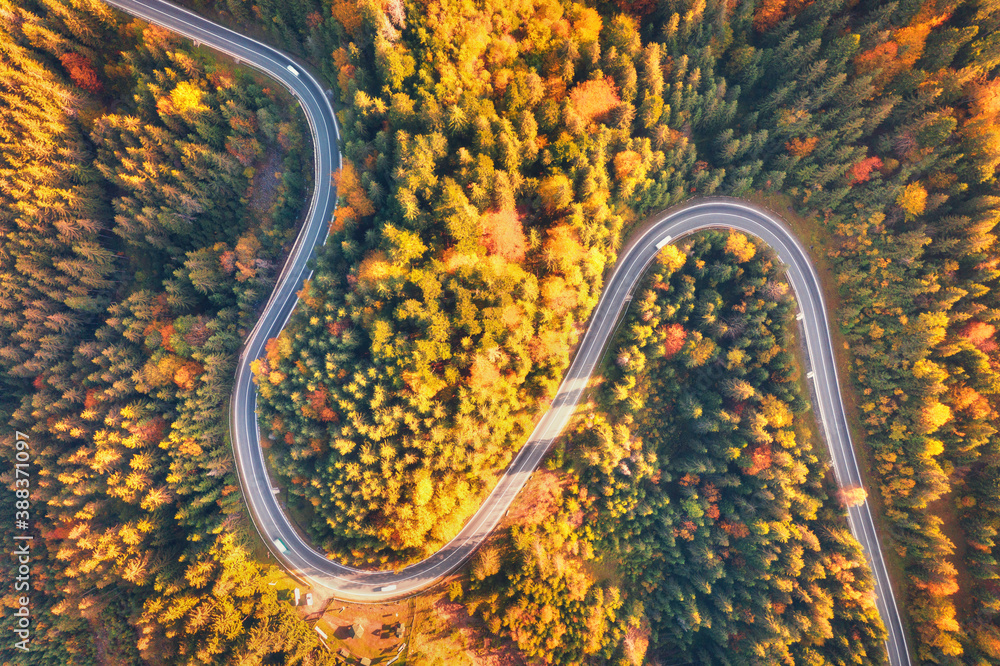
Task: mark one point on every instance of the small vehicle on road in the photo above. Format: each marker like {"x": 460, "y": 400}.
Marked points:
{"x": 294, "y": 71}
{"x": 385, "y": 588}
{"x": 282, "y": 548}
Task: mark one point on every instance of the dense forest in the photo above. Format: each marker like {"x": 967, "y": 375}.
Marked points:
{"x": 496, "y": 154}
{"x": 497, "y": 176}
{"x": 146, "y": 191}
{"x": 692, "y": 476}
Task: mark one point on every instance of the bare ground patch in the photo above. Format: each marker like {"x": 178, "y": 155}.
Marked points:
{"x": 481, "y": 647}
{"x": 264, "y": 187}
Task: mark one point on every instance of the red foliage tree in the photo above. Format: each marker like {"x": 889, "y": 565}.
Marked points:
{"x": 243, "y": 148}
{"x": 736, "y": 530}
{"x": 81, "y": 71}
{"x": 761, "y": 457}
{"x": 861, "y": 171}
{"x": 151, "y": 430}
{"x": 318, "y": 400}
{"x": 674, "y": 342}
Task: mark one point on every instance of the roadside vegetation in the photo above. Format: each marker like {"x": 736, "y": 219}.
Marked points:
{"x": 496, "y": 155}
{"x": 690, "y": 513}
{"x": 519, "y": 159}
{"x": 565, "y": 123}
{"x": 137, "y": 237}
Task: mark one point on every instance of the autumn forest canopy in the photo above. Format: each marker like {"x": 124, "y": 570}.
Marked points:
{"x": 496, "y": 156}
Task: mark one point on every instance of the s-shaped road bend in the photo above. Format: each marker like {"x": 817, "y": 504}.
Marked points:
{"x": 314, "y": 567}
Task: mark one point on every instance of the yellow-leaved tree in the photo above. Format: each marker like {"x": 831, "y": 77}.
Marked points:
{"x": 913, "y": 200}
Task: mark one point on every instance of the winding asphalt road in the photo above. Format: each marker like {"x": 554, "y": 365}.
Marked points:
{"x": 314, "y": 567}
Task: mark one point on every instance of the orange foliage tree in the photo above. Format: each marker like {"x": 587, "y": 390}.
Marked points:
{"x": 626, "y": 163}
{"x": 769, "y": 13}
{"x": 876, "y": 59}
{"x": 594, "y": 99}
{"x": 348, "y": 184}
{"x": 984, "y": 99}
{"x": 347, "y": 14}
{"x": 345, "y": 70}
{"x": 735, "y": 530}
{"x": 902, "y": 52}
{"x": 243, "y": 148}
{"x": 557, "y": 295}
{"x": 503, "y": 234}
{"x": 186, "y": 374}
{"x": 314, "y": 19}
{"x": 483, "y": 374}
{"x": 246, "y": 251}
{"x": 801, "y": 147}
{"x": 562, "y": 246}
{"x": 548, "y": 344}
{"x": 980, "y": 334}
